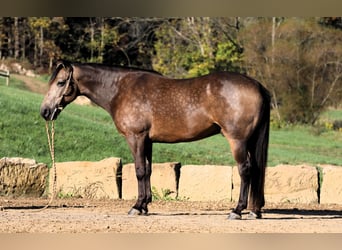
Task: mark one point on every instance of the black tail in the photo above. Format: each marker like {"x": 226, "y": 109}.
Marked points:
{"x": 258, "y": 149}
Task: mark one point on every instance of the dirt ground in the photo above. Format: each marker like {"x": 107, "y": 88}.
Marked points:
{"x": 81, "y": 216}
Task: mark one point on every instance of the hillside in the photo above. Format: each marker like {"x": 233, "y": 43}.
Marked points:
{"x": 32, "y": 84}
{"x": 88, "y": 133}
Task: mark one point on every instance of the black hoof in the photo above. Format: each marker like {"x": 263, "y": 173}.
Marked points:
{"x": 234, "y": 216}
{"x": 254, "y": 215}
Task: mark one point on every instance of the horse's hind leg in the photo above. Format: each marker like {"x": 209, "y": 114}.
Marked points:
{"x": 257, "y": 190}
{"x": 148, "y": 172}
{"x": 239, "y": 151}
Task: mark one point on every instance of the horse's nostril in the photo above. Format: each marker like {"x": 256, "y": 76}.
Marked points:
{"x": 45, "y": 113}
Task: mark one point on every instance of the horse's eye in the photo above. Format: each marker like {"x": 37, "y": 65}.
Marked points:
{"x": 61, "y": 83}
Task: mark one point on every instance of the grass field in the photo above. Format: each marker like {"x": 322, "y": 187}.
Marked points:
{"x": 88, "y": 133}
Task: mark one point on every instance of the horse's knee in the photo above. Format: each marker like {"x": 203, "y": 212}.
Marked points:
{"x": 140, "y": 172}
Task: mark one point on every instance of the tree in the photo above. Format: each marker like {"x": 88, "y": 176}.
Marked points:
{"x": 16, "y": 38}
{"x": 97, "y": 32}
{"x": 188, "y": 47}
{"x": 38, "y": 26}
{"x": 2, "y": 36}
{"x": 6, "y": 37}
{"x": 299, "y": 60}
{"x": 134, "y": 41}
{"x": 335, "y": 22}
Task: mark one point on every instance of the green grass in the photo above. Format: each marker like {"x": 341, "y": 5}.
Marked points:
{"x": 13, "y": 83}
{"x": 332, "y": 114}
{"x": 88, "y": 133}
{"x": 300, "y": 145}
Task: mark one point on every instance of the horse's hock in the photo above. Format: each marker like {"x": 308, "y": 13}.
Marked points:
{"x": 21, "y": 176}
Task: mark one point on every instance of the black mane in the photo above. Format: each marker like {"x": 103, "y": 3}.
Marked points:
{"x": 128, "y": 68}
{"x": 68, "y": 65}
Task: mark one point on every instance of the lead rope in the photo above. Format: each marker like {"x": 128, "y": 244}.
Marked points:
{"x": 51, "y": 139}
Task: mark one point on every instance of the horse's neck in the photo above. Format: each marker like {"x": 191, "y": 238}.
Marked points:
{"x": 98, "y": 88}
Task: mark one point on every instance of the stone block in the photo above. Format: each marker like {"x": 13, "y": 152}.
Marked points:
{"x": 205, "y": 183}
{"x": 331, "y": 190}
{"x": 94, "y": 180}
{"x": 22, "y": 176}
{"x": 165, "y": 176}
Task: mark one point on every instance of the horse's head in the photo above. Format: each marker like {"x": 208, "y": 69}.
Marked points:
{"x": 62, "y": 91}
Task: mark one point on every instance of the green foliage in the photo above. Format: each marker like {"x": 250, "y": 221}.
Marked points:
{"x": 166, "y": 195}
{"x": 227, "y": 56}
{"x": 199, "y": 65}
{"x": 295, "y": 106}
{"x": 337, "y": 125}
{"x": 62, "y": 195}
{"x": 276, "y": 124}
{"x": 39, "y": 22}
{"x": 299, "y": 61}
{"x": 188, "y": 48}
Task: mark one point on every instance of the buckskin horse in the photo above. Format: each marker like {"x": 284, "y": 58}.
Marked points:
{"x": 148, "y": 107}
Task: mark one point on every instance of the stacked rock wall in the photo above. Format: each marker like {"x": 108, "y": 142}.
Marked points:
{"x": 110, "y": 180}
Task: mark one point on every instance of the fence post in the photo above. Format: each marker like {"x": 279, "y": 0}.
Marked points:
{"x": 5, "y": 73}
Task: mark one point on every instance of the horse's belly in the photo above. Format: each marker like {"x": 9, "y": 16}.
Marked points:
{"x": 173, "y": 133}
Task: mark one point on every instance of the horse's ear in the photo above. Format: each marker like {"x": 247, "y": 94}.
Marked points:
{"x": 63, "y": 64}
{"x": 59, "y": 65}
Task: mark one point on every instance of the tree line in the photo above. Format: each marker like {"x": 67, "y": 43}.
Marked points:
{"x": 298, "y": 59}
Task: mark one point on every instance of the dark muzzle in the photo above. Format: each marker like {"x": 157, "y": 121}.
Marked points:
{"x": 50, "y": 114}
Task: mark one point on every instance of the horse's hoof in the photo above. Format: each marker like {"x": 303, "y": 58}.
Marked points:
{"x": 234, "y": 216}
{"x": 134, "y": 212}
{"x": 254, "y": 215}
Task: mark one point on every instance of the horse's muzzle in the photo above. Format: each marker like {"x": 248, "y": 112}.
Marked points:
{"x": 50, "y": 114}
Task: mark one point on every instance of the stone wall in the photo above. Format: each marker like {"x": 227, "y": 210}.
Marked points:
{"x": 285, "y": 183}
{"x": 109, "y": 179}
{"x": 20, "y": 176}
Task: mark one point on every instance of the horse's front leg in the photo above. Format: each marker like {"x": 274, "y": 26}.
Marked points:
{"x": 138, "y": 147}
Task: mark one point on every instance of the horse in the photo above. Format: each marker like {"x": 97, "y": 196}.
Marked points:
{"x": 147, "y": 107}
